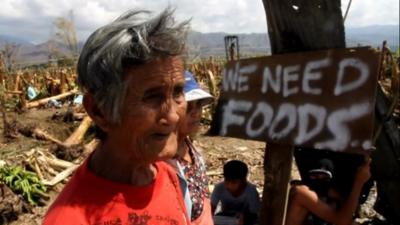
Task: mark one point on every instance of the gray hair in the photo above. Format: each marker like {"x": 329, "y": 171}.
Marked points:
{"x": 131, "y": 40}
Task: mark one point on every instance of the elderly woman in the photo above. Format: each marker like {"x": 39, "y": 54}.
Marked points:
{"x": 131, "y": 73}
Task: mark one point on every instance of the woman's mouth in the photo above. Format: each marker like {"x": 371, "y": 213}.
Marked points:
{"x": 196, "y": 123}
{"x": 161, "y": 136}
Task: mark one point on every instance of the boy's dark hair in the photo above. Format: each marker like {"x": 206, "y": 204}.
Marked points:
{"x": 235, "y": 169}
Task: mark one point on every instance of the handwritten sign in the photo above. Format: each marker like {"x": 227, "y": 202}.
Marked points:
{"x": 322, "y": 99}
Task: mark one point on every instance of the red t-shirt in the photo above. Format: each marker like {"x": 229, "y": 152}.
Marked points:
{"x": 89, "y": 199}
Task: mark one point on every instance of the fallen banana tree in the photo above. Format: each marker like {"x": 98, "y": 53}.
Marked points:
{"x": 69, "y": 149}
{"x": 32, "y": 131}
{"x": 52, "y": 170}
{"x": 49, "y": 169}
{"x": 43, "y": 101}
{"x": 77, "y": 136}
{"x": 72, "y": 147}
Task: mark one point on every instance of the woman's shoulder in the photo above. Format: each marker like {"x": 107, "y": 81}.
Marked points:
{"x": 168, "y": 167}
{"x": 166, "y": 170}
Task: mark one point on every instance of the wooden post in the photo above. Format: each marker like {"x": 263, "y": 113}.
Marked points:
{"x": 2, "y": 75}
{"x": 276, "y": 186}
{"x": 63, "y": 81}
{"x": 309, "y": 25}
{"x": 17, "y": 81}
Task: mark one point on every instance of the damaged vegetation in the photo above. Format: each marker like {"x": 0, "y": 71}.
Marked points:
{"x": 46, "y": 134}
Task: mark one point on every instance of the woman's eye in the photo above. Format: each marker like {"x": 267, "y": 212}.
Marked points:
{"x": 194, "y": 105}
{"x": 178, "y": 92}
{"x": 153, "y": 97}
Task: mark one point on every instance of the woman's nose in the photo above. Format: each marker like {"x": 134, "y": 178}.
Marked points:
{"x": 170, "y": 113}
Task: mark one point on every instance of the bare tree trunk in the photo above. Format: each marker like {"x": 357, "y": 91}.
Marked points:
{"x": 17, "y": 81}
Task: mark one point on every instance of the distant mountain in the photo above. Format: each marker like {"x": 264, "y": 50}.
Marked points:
{"x": 212, "y": 44}
{"x": 14, "y": 40}
{"x": 373, "y": 35}
{"x": 27, "y": 53}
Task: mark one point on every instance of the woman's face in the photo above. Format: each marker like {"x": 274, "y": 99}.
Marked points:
{"x": 190, "y": 124}
{"x": 153, "y": 107}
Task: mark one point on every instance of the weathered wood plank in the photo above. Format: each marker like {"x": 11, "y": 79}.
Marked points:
{"x": 295, "y": 26}
{"x": 320, "y": 99}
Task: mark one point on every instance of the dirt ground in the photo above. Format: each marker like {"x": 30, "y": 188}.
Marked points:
{"x": 216, "y": 151}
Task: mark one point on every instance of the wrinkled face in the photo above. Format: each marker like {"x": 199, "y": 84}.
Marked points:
{"x": 190, "y": 124}
{"x": 154, "y": 104}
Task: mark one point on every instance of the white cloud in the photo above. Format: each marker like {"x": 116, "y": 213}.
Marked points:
{"x": 32, "y": 19}
{"x": 13, "y": 9}
{"x": 370, "y": 12}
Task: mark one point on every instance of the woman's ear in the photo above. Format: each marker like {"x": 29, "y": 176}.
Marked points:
{"x": 95, "y": 113}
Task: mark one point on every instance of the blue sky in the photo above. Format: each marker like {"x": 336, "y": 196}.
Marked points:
{"x": 33, "y": 19}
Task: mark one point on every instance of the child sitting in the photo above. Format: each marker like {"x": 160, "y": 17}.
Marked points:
{"x": 238, "y": 197}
